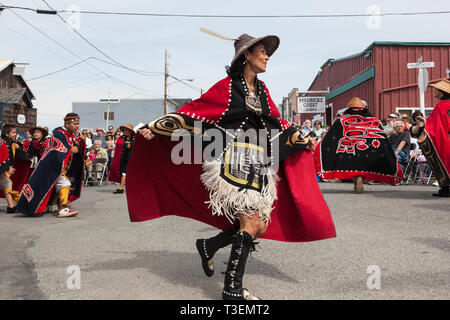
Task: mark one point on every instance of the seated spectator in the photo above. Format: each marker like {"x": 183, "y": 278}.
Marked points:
{"x": 97, "y": 153}
{"x": 401, "y": 142}
{"x": 91, "y": 154}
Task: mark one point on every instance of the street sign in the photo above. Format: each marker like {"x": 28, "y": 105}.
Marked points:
{"x": 311, "y": 104}
{"x": 415, "y": 65}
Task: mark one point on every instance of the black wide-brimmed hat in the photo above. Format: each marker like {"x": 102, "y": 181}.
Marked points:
{"x": 42, "y": 129}
{"x": 245, "y": 41}
{"x": 443, "y": 85}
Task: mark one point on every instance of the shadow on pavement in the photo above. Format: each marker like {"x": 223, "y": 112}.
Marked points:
{"x": 185, "y": 268}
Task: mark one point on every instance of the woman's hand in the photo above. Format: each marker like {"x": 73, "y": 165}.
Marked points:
{"x": 146, "y": 133}
{"x": 11, "y": 171}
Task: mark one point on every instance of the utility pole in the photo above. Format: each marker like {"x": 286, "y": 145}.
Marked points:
{"x": 108, "y": 107}
{"x": 165, "y": 82}
{"x": 107, "y": 110}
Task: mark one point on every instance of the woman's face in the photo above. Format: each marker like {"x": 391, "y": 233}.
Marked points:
{"x": 258, "y": 58}
{"x": 37, "y": 134}
{"x": 437, "y": 93}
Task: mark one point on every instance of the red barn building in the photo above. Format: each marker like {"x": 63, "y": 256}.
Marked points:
{"x": 379, "y": 75}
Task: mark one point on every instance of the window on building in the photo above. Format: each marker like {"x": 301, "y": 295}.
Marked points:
{"x": 111, "y": 116}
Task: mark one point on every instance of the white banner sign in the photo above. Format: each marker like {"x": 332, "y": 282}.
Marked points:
{"x": 415, "y": 65}
{"x": 311, "y": 104}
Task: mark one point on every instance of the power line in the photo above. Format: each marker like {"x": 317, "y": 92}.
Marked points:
{"x": 101, "y": 35}
{"x": 55, "y": 12}
{"x": 34, "y": 41}
{"x": 149, "y": 73}
{"x": 89, "y": 42}
{"x": 75, "y": 54}
{"x": 76, "y": 83}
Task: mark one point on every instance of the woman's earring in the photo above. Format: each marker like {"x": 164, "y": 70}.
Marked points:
{"x": 245, "y": 61}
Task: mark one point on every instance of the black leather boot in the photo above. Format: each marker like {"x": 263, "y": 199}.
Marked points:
{"x": 242, "y": 245}
{"x": 11, "y": 210}
{"x": 443, "y": 192}
{"x": 208, "y": 247}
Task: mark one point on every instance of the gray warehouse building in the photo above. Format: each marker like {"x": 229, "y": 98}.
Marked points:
{"x": 94, "y": 113}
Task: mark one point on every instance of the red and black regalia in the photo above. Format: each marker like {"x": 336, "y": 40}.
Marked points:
{"x": 291, "y": 199}
{"x": 10, "y": 156}
{"x": 57, "y": 161}
{"x": 236, "y": 158}
{"x": 114, "y": 175}
{"x": 355, "y": 145}
{"x": 35, "y": 148}
{"x": 127, "y": 150}
{"x": 434, "y": 140}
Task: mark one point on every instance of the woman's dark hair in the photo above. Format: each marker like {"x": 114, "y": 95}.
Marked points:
{"x": 238, "y": 66}
{"x": 7, "y": 128}
{"x": 445, "y": 95}
{"x": 312, "y": 134}
{"x": 416, "y": 114}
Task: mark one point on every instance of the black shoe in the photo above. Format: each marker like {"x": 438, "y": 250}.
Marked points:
{"x": 118, "y": 191}
{"x": 11, "y": 210}
{"x": 233, "y": 290}
{"x": 443, "y": 192}
{"x": 208, "y": 247}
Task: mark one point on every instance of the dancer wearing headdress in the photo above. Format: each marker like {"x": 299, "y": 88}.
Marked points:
{"x": 59, "y": 174}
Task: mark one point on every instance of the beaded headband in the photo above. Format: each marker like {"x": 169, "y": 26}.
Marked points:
{"x": 71, "y": 119}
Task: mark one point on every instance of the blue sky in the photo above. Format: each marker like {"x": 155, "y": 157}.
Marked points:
{"x": 139, "y": 43}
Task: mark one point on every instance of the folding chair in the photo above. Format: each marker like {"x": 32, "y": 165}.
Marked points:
{"x": 92, "y": 173}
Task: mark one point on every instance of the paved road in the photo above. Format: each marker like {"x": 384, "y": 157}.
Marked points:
{"x": 402, "y": 230}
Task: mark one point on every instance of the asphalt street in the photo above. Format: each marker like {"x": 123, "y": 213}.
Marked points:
{"x": 392, "y": 243}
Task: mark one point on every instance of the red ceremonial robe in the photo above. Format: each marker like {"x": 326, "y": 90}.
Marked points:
{"x": 21, "y": 164}
{"x": 156, "y": 187}
{"x": 437, "y": 127}
{"x": 115, "y": 165}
